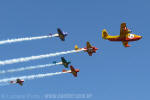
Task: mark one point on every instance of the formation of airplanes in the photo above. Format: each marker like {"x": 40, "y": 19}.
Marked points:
{"x": 72, "y": 70}
{"x": 125, "y": 37}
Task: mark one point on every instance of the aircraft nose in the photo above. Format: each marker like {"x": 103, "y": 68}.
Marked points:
{"x": 140, "y": 37}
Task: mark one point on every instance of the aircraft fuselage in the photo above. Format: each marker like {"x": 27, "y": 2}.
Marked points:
{"x": 130, "y": 37}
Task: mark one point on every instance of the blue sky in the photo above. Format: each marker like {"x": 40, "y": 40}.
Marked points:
{"x": 113, "y": 73}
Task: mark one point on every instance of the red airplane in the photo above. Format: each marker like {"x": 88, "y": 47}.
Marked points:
{"x": 18, "y": 81}
{"x": 72, "y": 70}
{"x": 89, "y": 49}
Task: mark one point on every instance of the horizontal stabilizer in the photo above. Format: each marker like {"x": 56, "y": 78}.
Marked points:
{"x": 64, "y": 70}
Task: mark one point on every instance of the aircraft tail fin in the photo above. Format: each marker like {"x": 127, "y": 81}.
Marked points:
{"x": 76, "y": 47}
{"x": 64, "y": 70}
{"x": 12, "y": 82}
{"x": 104, "y": 34}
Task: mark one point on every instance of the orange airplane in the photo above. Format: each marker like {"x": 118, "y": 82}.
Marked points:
{"x": 72, "y": 70}
{"x": 124, "y": 36}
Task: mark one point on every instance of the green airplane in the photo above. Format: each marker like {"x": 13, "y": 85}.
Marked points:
{"x": 64, "y": 62}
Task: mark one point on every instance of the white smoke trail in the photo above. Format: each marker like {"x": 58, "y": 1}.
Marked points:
{"x": 26, "y": 39}
{"x": 25, "y": 59}
{"x": 4, "y": 84}
{"x": 28, "y": 68}
{"x": 32, "y": 76}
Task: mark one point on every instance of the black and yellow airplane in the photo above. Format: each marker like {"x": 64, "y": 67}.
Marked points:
{"x": 61, "y": 34}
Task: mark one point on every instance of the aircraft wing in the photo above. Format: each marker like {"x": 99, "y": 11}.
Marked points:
{"x": 125, "y": 44}
{"x": 123, "y": 30}
{"x": 63, "y": 60}
{"x": 74, "y": 74}
{"x": 88, "y": 45}
{"x": 59, "y": 31}
{"x": 90, "y": 54}
{"x": 21, "y": 83}
{"x": 61, "y": 35}
{"x": 18, "y": 80}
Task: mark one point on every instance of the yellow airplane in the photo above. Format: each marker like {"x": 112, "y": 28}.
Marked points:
{"x": 124, "y": 36}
